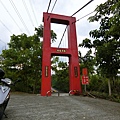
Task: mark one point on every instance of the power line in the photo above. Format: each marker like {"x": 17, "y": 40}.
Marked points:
{"x": 17, "y": 12}
{"x": 10, "y": 15}
{"x": 6, "y": 27}
{"x": 25, "y": 6}
{"x": 49, "y": 6}
{"x": 72, "y": 16}
{"x": 33, "y": 12}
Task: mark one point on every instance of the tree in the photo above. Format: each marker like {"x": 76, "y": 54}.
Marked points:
{"x": 39, "y": 32}
{"x": 106, "y": 39}
{"x": 60, "y": 78}
{"x": 87, "y": 61}
{"x": 24, "y": 59}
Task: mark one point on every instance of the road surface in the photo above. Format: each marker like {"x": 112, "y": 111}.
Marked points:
{"x": 35, "y": 107}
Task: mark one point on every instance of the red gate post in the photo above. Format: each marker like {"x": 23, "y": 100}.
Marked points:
{"x": 71, "y": 52}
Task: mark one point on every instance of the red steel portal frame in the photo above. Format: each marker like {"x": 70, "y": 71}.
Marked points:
{"x": 71, "y": 52}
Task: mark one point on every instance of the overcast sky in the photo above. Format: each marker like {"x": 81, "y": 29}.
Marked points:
{"x": 22, "y": 16}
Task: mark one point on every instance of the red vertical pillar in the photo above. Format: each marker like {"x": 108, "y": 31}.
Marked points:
{"x": 46, "y": 58}
{"x": 74, "y": 63}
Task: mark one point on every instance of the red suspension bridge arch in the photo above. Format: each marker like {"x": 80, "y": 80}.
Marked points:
{"x": 71, "y": 52}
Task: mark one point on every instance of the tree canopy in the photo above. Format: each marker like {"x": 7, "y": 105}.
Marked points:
{"x": 23, "y": 60}
{"x": 106, "y": 39}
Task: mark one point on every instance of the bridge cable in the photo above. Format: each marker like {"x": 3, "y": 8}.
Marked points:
{"x": 33, "y": 12}
{"x": 62, "y": 36}
{"x": 82, "y": 7}
{"x": 25, "y": 6}
{"x": 52, "y": 9}
{"x": 83, "y": 17}
{"x": 53, "y": 6}
{"x": 17, "y": 12}
{"x": 49, "y": 6}
{"x": 6, "y": 27}
{"x": 10, "y": 15}
{"x": 72, "y": 23}
{"x": 73, "y": 15}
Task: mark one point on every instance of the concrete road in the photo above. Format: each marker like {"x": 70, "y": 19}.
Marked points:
{"x": 35, "y": 107}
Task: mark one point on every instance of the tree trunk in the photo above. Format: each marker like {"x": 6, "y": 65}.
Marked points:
{"x": 109, "y": 87}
